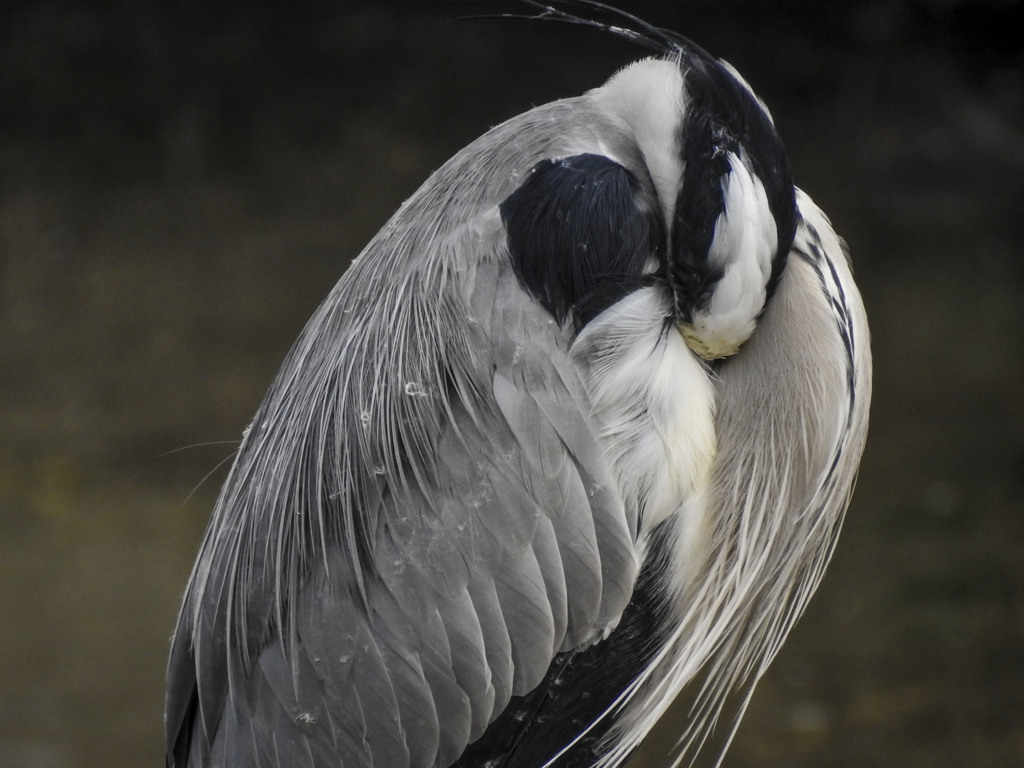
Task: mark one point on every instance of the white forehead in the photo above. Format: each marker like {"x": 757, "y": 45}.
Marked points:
{"x": 648, "y": 96}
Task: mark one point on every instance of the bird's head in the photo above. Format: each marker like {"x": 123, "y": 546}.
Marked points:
{"x": 723, "y": 184}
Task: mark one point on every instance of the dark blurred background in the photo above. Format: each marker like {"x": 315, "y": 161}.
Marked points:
{"x": 182, "y": 182}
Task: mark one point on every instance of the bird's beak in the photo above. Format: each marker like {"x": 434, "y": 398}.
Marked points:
{"x": 704, "y": 344}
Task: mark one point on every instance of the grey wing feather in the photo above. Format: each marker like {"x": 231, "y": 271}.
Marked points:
{"x": 418, "y": 520}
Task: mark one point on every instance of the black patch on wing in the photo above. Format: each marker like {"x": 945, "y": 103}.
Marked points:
{"x": 580, "y": 230}
{"x": 581, "y": 685}
{"x": 721, "y": 117}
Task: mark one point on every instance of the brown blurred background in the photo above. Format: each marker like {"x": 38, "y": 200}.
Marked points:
{"x": 182, "y": 182}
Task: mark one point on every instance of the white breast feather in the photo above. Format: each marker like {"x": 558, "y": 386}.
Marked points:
{"x": 654, "y": 403}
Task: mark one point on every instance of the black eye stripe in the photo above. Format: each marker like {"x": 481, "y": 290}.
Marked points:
{"x": 580, "y": 230}
{"x": 722, "y": 117}
{"x": 700, "y": 202}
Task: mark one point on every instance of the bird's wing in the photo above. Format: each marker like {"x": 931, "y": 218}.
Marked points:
{"x": 419, "y": 519}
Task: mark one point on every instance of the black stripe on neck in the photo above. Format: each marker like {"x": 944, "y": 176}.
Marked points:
{"x": 722, "y": 117}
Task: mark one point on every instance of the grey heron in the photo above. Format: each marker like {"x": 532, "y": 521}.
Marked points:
{"x": 575, "y": 432}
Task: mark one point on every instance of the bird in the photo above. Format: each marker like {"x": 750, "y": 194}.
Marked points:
{"x": 572, "y": 437}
